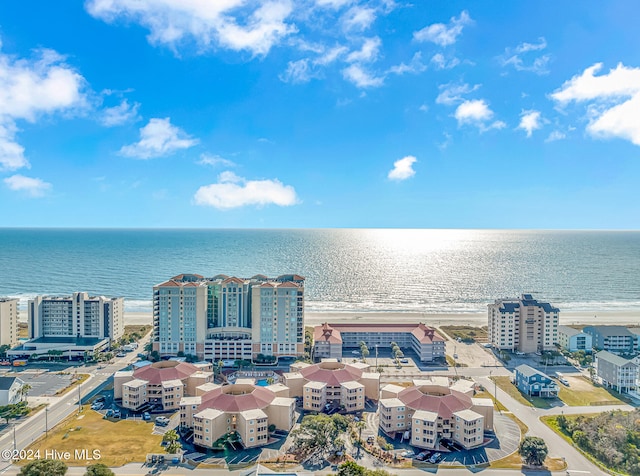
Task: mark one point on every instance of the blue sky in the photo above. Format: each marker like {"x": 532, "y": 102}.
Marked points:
{"x": 320, "y": 113}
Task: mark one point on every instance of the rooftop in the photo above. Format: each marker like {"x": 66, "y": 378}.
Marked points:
{"x": 237, "y": 398}
{"x": 612, "y": 358}
{"x": 331, "y": 333}
{"x": 165, "y": 370}
{"x": 610, "y": 331}
{"x": 529, "y": 371}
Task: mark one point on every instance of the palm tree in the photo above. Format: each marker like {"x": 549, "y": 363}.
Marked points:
{"x": 24, "y": 391}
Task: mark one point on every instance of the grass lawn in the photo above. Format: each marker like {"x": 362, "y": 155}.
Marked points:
{"x": 466, "y": 332}
{"x": 581, "y": 392}
{"x": 119, "y": 442}
{"x": 505, "y": 384}
{"x": 451, "y": 362}
{"x": 514, "y": 461}
{"x": 136, "y": 332}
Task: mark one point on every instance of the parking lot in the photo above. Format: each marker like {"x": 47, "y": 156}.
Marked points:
{"x": 43, "y": 383}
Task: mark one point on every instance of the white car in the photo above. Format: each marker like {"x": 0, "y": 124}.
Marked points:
{"x": 355, "y": 352}
{"x": 162, "y": 421}
{"x": 407, "y": 454}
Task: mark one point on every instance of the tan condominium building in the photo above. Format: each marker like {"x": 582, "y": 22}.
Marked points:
{"x": 229, "y": 318}
{"x": 161, "y": 384}
{"x": 330, "y": 340}
{"x": 242, "y": 408}
{"x": 435, "y": 409}
{"x": 8, "y": 322}
{"x": 523, "y": 324}
{"x": 331, "y": 385}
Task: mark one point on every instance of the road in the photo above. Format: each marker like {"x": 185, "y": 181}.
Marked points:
{"x": 60, "y": 408}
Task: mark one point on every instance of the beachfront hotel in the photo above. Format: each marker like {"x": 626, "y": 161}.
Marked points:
{"x": 523, "y": 324}
{"x": 161, "y": 384}
{"x": 332, "y": 384}
{"x": 330, "y": 340}
{"x": 229, "y": 318}
{"x": 75, "y": 325}
{"x": 243, "y": 408}
{"x": 8, "y": 322}
{"x": 433, "y": 409}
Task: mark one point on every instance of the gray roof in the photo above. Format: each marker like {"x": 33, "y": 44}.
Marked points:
{"x": 529, "y": 371}
{"x": 609, "y": 331}
{"x": 612, "y": 358}
{"x": 570, "y": 331}
{"x": 6, "y": 382}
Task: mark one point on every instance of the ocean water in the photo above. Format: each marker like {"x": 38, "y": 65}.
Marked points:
{"x": 430, "y": 271}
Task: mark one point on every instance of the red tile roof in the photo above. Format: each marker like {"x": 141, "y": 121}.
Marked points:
{"x": 160, "y": 372}
{"x": 444, "y": 406}
{"x": 332, "y": 377}
{"x": 256, "y": 398}
{"x": 326, "y": 333}
{"x": 331, "y": 332}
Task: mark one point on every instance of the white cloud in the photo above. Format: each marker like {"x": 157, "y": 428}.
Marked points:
{"x": 30, "y": 88}
{"x": 215, "y": 160}
{"x": 333, "y": 3}
{"x": 555, "y": 135}
{"x": 121, "y": 114}
{"x": 440, "y": 62}
{"x": 34, "y": 187}
{"x": 158, "y": 138}
{"x": 358, "y": 18}
{"x": 444, "y": 34}
{"x": 369, "y": 51}
{"x": 297, "y": 72}
{"x": 452, "y": 93}
{"x": 11, "y": 153}
{"x": 415, "y": 66}
{"x": 230, "y": 24}
{"x": 514, "y": 57}
{"x": 361, "y": 78}
{"x": 530, "y": 121}
{"x": 232, "y": 191}
{"x": 403, "y": 168}
{"x": 476, "y": 112}
{"x": 331, "y": 55}
{"x": 614, "y": 100}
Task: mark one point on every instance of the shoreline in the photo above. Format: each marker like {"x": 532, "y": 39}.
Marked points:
{"x": 477, "y": 319}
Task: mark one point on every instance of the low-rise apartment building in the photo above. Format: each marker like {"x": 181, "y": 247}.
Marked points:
{"x": 616, "y": 372}
{"x": 573, "y": 340}
{"x": 434, "y": 409}
{"x": 331, "y": 384}
{"x": 614, "y": 339}
{"x": 162, "y": 384}
{"x": 242, "y": 408}
{"x": 330, "y": 339}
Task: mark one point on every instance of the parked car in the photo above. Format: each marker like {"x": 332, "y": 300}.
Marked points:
{"x": 435, "y": 458}
{"x": 355, "y": 352}
{"x": 121, "y": 354}
{"x": 162, "y": 421}
{"x": 117, "y": 414}
{"x": 109, "y": 413}
{"x": 422, "y": 456}
{"x": 101, "y": 398}
{"x": 520, "y": 353}
{"x": 97, "y": 406}
{"x": 407, "y": 454}
{"x": 404, "y": 361}
{"x": 146, "y": 416}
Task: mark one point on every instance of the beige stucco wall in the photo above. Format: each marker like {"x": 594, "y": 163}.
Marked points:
{"x": 295, "y": 382}
{"x": 119, "y": 379}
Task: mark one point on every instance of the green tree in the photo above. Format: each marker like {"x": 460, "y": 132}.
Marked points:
{"x": 3, "y": 350}
{"x": 154, "y": 356}
{"x": 24, "y": 391}
{"x": 13, "y": 410}
{"x": 350, "y": 468}
{"x": 99, "y": 469}
{"x": 319, "y": 433}
{"x": 533, "y": 450}
{"x": 44, "y": 467}
{"x": 171, "y": 438}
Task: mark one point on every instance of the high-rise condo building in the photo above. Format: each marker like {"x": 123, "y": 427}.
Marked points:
{"x": 8, "y": 322}
{"x": 523, "y": 324}
{"x": 229, "y": 318}
{"x": 77, "y": 316}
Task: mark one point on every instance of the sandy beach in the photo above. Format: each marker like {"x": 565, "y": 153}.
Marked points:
{"x": 436, "y": 320}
